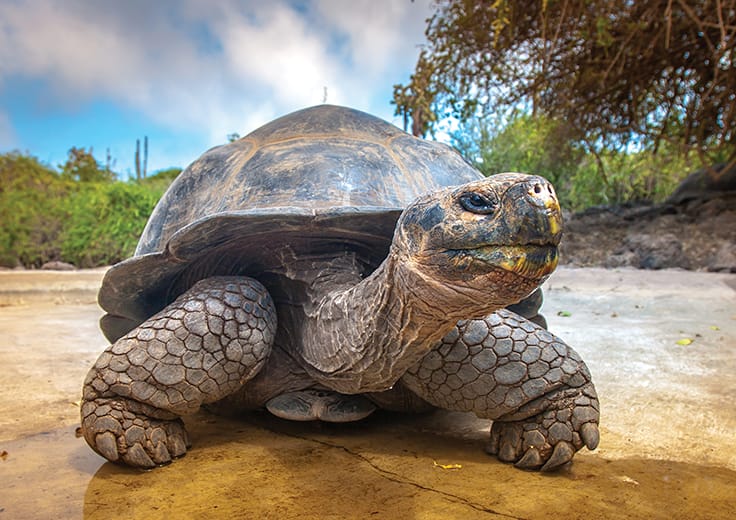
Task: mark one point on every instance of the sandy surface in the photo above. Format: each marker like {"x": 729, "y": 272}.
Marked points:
{"x": 666, "y": 451}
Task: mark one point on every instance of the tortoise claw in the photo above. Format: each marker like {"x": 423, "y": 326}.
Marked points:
{"x": 510, "y": 441}
{"x": 137, "y": 456}
{"x": 137, "y": 440}
{"x": 507, "y": 453}
{"x": 590, "y": 435}
{"x": 107, "y": 445}
{"x": 561, "y": 455}
{"x": 531, "y": 459}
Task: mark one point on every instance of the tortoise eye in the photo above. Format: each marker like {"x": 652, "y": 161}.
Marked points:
{"x": 477, "y": 203}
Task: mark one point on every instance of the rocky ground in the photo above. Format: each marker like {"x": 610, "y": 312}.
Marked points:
{"x": 698, "y": 235}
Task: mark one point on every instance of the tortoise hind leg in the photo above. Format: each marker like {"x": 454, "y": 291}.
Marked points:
{"x": 202, "y": 347}
{"x": 536, "y": 389}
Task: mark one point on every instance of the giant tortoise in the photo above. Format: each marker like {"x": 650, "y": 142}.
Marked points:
{"x": 326, "y": 265}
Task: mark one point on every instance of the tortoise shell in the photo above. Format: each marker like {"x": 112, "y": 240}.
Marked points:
{"x": 319, "y": 181}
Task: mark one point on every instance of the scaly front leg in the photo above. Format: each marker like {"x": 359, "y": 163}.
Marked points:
{"x": 199, "y": 349}
{"x": 536, "y": 389}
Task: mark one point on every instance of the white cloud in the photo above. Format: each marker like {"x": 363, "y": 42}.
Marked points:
{"x": 380, "y": 33}
{"x": 277, "y": 55}
{"x": 216, "y": 67}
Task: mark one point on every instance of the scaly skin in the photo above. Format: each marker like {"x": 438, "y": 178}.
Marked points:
{"x": 536, "y": 389}
{"x": 202, "y": 347}
{"x": 459, "y": 252}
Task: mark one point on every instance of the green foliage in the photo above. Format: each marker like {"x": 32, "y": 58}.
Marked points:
{"x": 582, "y": 176}
{"x": 105, "y": 222}
{"x": 81, "y": 215}
{"x": 616, "y": 72}
{"x": 24, "y": 171}
{"x": 81, "y": 166}
{"x": 31, "y": 210}
{"x": 526, "y": 144}
{"x": 615, "y": 177}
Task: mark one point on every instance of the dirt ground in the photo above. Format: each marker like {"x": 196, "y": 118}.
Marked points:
{"x": 696, "y": 235}
{"x": 667, "y": 422}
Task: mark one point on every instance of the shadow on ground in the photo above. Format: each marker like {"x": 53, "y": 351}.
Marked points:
{"x": 386, "y": 467}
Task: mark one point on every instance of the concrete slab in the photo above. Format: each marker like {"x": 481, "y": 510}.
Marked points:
{"x": 25, "y": 287}
{"x": 666, "y": 449}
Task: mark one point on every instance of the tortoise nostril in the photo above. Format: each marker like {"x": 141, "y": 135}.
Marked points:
{"x": 540, "y": 193}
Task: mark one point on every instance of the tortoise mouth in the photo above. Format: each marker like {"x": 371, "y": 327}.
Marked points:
{"x": 529, "y": 261}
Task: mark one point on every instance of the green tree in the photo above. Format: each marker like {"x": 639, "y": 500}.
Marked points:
{"x": 615, "y": 71}
{"x": 81, "y": 166}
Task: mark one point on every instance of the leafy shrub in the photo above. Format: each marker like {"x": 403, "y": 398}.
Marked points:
{"x": 105, "y": 222}
{"x": 85, "y": 218}
{"x": 614, "y": 177}
{"x": 582, "y": 175}
{"x": 525, "y": 144}
{"x": 31, "y": 210}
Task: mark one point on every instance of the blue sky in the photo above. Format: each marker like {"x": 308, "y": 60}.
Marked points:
{"x": 186, "y": 73}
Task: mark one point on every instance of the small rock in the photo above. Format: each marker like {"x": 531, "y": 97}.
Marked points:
{"x": 707, "y": 183}
{"x": 622, "y": 258}
{"x": 57, "y": 266}
{"x": 724, "y": 260}
{"x": 645, "y": 251}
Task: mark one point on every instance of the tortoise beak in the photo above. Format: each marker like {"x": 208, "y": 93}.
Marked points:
{"x": 529, "y": 260}
{"x": 536, "y": 222}
{"x": 532, "y": 224}
{"x": 534, "y": 215}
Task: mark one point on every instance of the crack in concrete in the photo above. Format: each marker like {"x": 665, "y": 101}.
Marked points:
{"x": 400, "y": 479}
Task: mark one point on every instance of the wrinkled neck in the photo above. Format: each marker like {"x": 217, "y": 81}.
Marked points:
{"x": 364, "y": 337}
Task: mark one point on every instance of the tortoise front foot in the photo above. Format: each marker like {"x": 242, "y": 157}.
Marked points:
{"x": 199, "y": 349}
{"x": 548, "y": 440}
{"x": 119, "y": 434}
{"x": 533, "y": 386}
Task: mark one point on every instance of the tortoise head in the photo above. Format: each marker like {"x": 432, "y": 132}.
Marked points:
{"x": 490, "y": 242}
